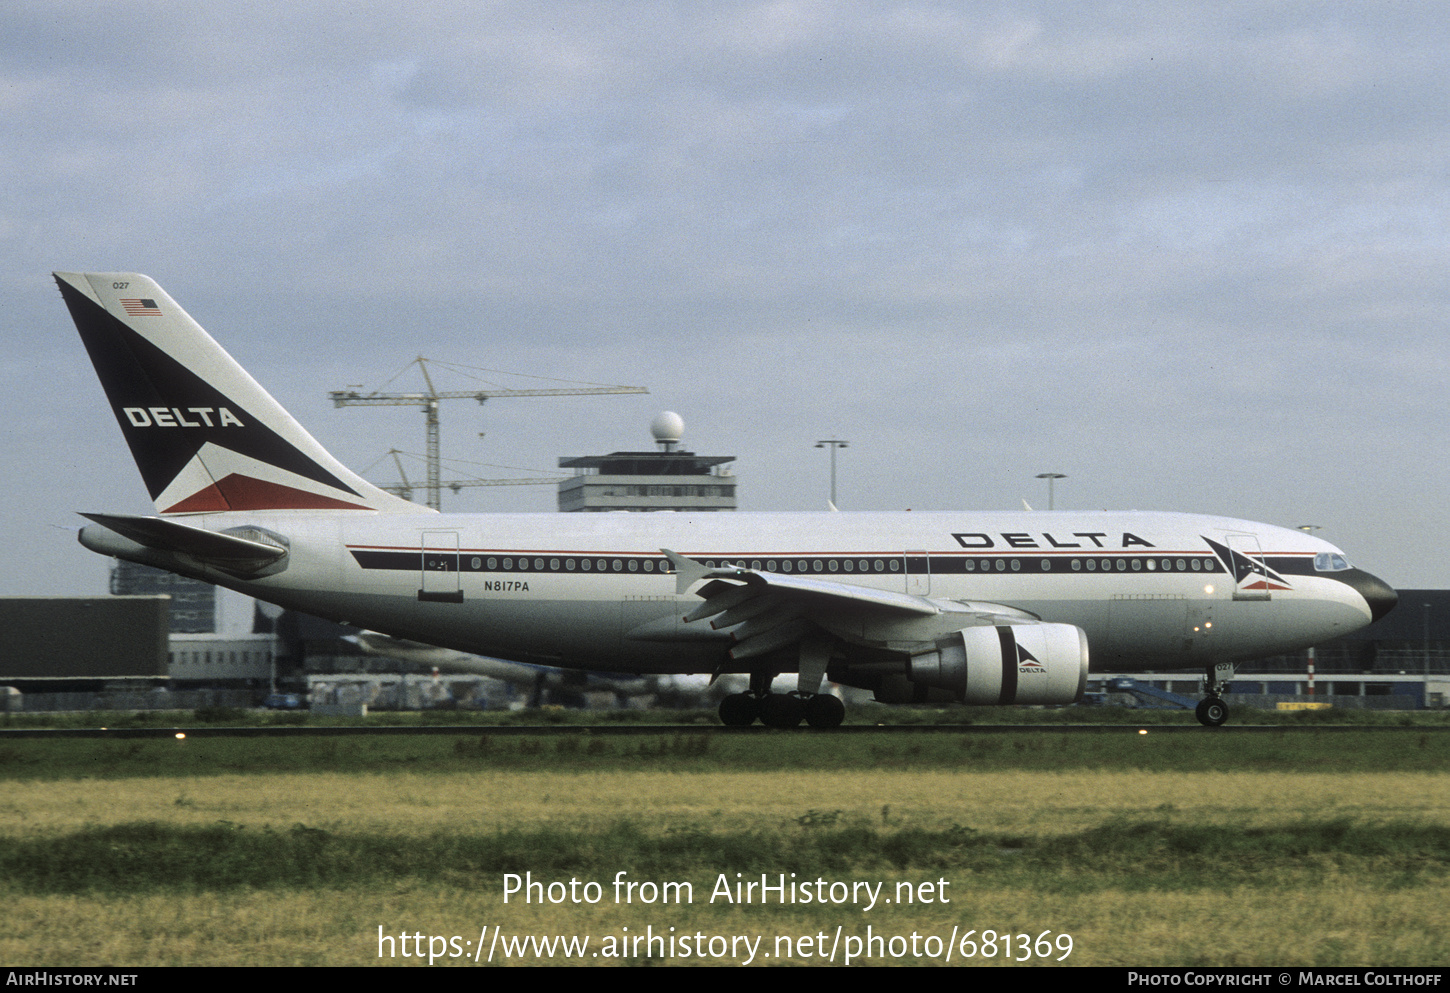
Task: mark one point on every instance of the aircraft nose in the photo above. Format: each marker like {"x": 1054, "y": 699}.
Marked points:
{"x": 1380, "y": 596}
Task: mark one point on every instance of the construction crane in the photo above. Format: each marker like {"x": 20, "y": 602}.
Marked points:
{"x": 406, "y": 487}
{"x": 429, "y": 399}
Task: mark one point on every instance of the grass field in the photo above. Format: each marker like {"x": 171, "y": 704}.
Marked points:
{"x": 1296, "y": 847}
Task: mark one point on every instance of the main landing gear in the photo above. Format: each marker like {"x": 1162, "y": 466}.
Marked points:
{"x": 1212, "y": 711}
{"x": 780, "y": 710}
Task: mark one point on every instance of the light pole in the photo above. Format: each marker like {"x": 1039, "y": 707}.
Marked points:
{"x": 1052, "y": 478}
{"x": 1427, "y": 643}
{"x": 832, "y": 444}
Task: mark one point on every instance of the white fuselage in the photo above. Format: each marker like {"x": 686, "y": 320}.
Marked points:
{"x": 594, "y": 591}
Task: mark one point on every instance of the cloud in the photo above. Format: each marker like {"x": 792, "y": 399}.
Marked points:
{"x": 1190, "y": 255}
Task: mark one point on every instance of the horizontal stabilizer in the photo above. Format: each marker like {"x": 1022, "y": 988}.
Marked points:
{"x": 231, "y": 552}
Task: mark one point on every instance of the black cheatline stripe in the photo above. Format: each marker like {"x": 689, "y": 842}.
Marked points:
{"x": 448, "y": 560}
{"x": 820, "y": 566}
{"x": 942, "y": 566}
{"x": 1009, "y": 665}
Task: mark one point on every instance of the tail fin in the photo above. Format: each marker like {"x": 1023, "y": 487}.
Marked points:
{"x": 205, "y": 436}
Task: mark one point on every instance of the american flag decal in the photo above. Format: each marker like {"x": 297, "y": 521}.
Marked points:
{"x": 140, "y": 307}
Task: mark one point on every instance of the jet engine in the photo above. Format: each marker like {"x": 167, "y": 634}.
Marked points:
{"x": 1005, "y": 664}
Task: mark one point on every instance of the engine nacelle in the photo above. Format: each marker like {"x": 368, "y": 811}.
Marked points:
{"x": 1006, "y": 664}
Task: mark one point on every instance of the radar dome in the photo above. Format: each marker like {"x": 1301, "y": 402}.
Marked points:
{"x": 667, "y": 427}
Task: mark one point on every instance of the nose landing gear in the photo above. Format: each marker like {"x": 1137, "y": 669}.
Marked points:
{"x": 1212, "y": 711}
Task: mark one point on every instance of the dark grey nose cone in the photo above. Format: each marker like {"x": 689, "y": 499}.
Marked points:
{"x": 1380, "y": 596}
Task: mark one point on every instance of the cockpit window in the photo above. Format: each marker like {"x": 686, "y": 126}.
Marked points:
{"x": 1330, "y": 562}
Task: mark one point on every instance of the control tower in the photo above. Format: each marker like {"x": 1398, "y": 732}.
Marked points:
{"x": 666, "y": 479}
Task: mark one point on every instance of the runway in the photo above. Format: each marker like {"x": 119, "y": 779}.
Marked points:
{"x": 635, "y": 730}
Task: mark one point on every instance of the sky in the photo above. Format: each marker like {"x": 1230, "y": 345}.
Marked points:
{"x": 1192, "y": 256}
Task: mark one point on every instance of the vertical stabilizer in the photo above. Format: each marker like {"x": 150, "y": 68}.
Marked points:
{"x": 206, "y": 437}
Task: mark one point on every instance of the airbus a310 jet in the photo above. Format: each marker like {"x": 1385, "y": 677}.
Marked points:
{"x": 982, "y": 608}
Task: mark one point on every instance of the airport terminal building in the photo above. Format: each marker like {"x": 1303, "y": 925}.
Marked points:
{"x": 666, "y": 479}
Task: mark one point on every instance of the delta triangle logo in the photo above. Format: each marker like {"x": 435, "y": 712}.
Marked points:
{"x": 217, "y": 479}
{"x": 238, "y": 492}
{"x": 1249, "y": 572}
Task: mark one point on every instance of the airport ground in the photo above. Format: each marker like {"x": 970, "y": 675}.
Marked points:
{"x": 1310, "y": 843}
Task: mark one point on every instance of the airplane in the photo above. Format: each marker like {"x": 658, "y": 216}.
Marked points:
{"x": 975, "y": 607}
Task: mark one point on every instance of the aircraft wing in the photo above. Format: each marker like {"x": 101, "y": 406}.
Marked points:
{"x": 770, "y": 610}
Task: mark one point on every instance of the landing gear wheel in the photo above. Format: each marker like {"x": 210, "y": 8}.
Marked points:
{"x": 739, "y": 710}
{"x": 824, "y": 711}
{"x": 782, "y": 710}
{"x": 1211, "y": 712}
